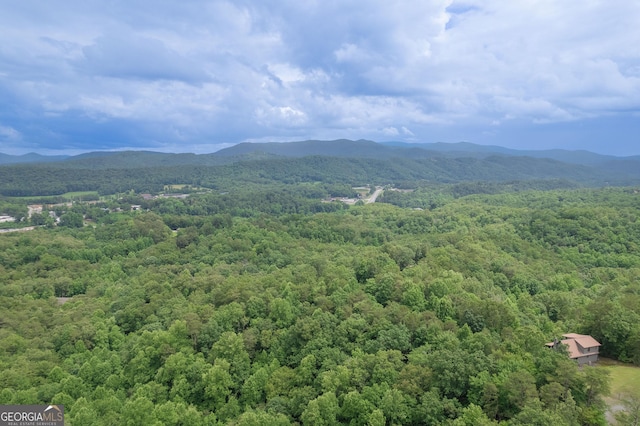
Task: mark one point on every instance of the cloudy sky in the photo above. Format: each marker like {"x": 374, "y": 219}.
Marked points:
{"x": 196, "y": 76}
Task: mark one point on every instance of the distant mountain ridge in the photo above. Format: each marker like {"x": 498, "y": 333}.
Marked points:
{"x": 336, "y": 162}
{"x": 31, "y": 157}
{"x": 342, "y": 148}
{"x": 481, "y": 151}
{"x": 556, "y": 162}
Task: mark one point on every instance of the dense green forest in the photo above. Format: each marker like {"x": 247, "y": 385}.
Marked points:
{"x": 266, "y": 306}
{"x": 150, "y": 172}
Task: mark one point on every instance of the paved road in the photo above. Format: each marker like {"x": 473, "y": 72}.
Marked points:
{"x": 374, "y": 196}
{"x": 28, "y": 228}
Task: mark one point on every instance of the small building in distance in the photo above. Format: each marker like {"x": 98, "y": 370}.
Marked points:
{"x": 34, "y": 209}
{"x": 582, "y": 348}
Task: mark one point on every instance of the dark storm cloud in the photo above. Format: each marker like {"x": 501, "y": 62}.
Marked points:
{"x": 131, "y": 56}
{"x": 192, "y": 76}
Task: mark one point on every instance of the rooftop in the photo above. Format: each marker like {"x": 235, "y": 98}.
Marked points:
{"x": 577, "y": 344}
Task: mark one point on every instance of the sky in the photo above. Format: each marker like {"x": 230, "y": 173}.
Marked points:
{"x": 198, "y": 76}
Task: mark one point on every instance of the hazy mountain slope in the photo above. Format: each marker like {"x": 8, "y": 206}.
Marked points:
{"x": 337, "y": 148}
{"x": 604, "y": 167}
{"x": 137, "y": 159}
{"x": 53, "y": 179}
{"x": 343, "y": 148}
{"x": 30, "y": 158}
{"x": 467, "y": 149}
{"x": 340, "y": 161}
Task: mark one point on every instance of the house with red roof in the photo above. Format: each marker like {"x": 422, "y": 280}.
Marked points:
{"x": 581, "y": 347}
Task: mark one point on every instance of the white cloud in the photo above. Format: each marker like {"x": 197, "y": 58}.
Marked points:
{"x": 287, "y": 73}
{"x": 130, "y": 56}
{"x": 280, "y": 116}
{"x": 406, "y": 131}
{"x": 395, "y": 132}
{"x": 8, "y": 133}
{"x": 390, "y": 131}
{"x": 546, "y": 50}
{"x": 215, "y": 70}
{"x": 349, "y": 52}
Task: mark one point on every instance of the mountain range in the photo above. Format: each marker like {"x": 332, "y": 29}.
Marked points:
{"x": 341, "y": 148}
{"x": 334, "y": 162}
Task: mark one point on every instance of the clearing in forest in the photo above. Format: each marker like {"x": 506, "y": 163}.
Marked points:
{"x": 624, "y": 378}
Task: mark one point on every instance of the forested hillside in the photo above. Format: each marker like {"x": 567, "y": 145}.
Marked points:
{"x": 341, "y": 161}
{"x": 217, "y": 310}
{"x": 58, "y": 178}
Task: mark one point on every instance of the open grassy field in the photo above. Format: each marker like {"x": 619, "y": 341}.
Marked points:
{"x": 69, "y": 196}
{"x": 624, "y": 378}
{"x": 175, "y": 187}
{"x": 81, "y": 195}
{"x": 179, "y": 186}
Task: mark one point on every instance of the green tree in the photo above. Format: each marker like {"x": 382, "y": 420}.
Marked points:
{"x": 376, "y": 418}
{"x": 138, "y": 411}
{"x": 260, "y": 418}
{"x": 218, "y": 384}
{"x": 630, "y": 415}
{"x": 321, "y": 411}
{"x": 517, "y": 391}
{"x": 230, "y": 347}
{"x": 597, "y": 386}
{"x": 72, "y": 220}
{"x": 472, "y": 416}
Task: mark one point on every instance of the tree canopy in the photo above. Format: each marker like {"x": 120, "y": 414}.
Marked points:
{"x": 228, "y": 309}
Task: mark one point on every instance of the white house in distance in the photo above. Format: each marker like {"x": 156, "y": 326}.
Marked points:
{"x": 582, "y": 348}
